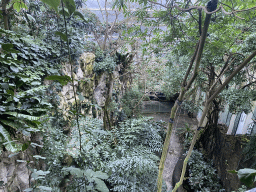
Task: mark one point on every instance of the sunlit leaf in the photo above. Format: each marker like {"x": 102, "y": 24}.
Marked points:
{"x": 100, "y": 185}
{"x": 12, "y": 155}
{"x": 100, "y": 175}
{"x": 9, "y": 144}
{"x": 247, "y": 176}
{"x": 64, "y": 12}
{"x": 39, "y": 157}
{"x": 28, "y": 189}
{"x": 81, "y": 97}
{"x": 19, "y": 115}
{"x": 44, "y": 188}
{"x": 18, "y": 5}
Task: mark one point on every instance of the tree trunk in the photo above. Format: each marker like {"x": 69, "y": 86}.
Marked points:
{"x": 208, "y": 101}
{"x": 106, "y": 118}
{"x": 5, "y": 14}
{"x": 198, "y": 53}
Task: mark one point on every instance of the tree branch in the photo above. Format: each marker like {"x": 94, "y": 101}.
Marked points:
{"x": 248, "y": 84}
{"x": 190, "y": 66}
{"x": 221, "y": 73}
{"x": 180, "y": 98}
{"x": 245, "y": 62}
{"x": 157, "y": 4}
{"x": 220, "y": 8}
{"x": 200, "y": 51}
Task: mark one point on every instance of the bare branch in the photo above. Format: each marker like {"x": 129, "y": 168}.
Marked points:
{"x": 111, "y": 28}
{"x": 220, "y": 75}
{"x": 220, "y": 8}
{"x": 106, "y": 32}
{"x": 157, "y": 4}
{"x": 248, "y": 84}
{"x": 101, "y": 10}
{"x": 200, "y": 50}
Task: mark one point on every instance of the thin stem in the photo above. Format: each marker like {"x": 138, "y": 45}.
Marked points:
{"x": 190, "y": 66}
{"x": 72, "y": 78}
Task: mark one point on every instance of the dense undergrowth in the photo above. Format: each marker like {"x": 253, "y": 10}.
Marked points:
{"x": 125, "y": 158}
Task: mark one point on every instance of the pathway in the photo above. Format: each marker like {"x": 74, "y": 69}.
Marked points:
{"x": 175, "y": 147}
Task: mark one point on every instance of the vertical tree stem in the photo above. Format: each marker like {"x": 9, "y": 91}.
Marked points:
{"x": 72, "y": 78}
{"x": 191, "y": 148}
{"x": 5, "y": 14}
{"x": 167, "y": 140}
{"x": 180, "y": 99}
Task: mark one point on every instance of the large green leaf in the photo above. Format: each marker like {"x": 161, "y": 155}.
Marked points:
{"x": 77, "y": 13}
{"x": 247, "y": 176}
{"x": 44, "y": 188}
{"x": 73, "y": 171}
{"x": 62, "y": 36}
{"x": 63, "y": 80}
{"x": 100, "y": 175}
{"x": 18, "y": 5}
{"x": 100, "y": 185}
{"x": 52, "y": 3}
{"x": 97, "y": 178}
{"x": 64, "y": 12}
{"x": 70, "y": 4}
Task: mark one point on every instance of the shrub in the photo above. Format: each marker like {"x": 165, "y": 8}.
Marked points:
{"x": 131, "y": 102}
{"x": 202, "y": 176}
{"x": 127, "y": 154}
{"x": 108, "y": 64}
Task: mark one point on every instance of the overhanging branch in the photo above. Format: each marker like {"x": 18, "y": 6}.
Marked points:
{"x": 245, "y": 62}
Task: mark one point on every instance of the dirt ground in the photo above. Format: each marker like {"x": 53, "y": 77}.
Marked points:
{"x": 175, "y": 147}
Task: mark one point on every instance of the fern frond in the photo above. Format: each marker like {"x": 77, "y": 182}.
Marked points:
{"x": 20, "y": 115}
{"x": 8, "y": 143}
{"x": 11, "y": 123}
{"x": 32, "y": 91}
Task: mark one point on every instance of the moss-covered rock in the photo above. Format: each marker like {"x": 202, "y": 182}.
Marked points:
{"x": 84, "y": 84}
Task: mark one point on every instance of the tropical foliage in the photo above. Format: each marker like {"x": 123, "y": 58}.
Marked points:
{"x": 124, "y": 158}
{"x": 180, "y": 47}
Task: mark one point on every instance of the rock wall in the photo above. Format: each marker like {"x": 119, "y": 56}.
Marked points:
{"x": 15, "y": 168}
{"x": 84, "y": 85}
{"x": 15, "y": 174}
{"x": 92, "y": 86}
{"x": 226, "y": 151}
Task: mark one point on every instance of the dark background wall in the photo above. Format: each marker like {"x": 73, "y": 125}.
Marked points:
{"x": 226, "y": 151}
